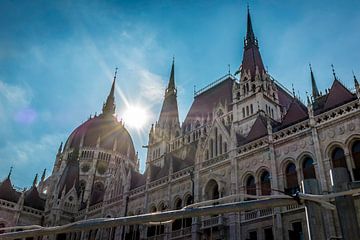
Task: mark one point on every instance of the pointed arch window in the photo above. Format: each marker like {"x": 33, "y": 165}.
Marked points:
{"x": 265, "y": 183}
{"x": 355, "y": 152}
{"x": 292, "y": 183}
{"x": 338, "y": 158}
{"x": 308, "y": 168}
{"x": 177, "y": 224}
{"x": 250, "y": 185}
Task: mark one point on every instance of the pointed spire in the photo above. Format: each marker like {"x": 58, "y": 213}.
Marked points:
{"x": 250, "y": 36}
{"x": 355, "y": 80}
{"x": 10, "y": 171}
{"x": 60, "y": 148}
{"x": 315, "y": 91}
{"x": 43, "y": 175}
{"x": 109, "y": 105}
{"x": 252, "y": 62}
{"x": 333, "y": 71}
{"x": 35, "y": 180}
{"x": 171, "y": 89}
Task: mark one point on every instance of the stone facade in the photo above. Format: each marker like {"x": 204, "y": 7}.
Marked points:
{"x": 246, "y": 136}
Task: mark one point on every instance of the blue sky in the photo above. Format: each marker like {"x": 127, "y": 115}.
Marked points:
{"x": 57, "y": 60}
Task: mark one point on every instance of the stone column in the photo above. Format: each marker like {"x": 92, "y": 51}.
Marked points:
{"x": 345, "y": 204}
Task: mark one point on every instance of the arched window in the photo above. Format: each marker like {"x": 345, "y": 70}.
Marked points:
{"x": 188, "y": 201}
{"x": 355, "y": 151}
{"x": 177, "y": 224}
{"x": 212, "y": 190}
{"x": 265, "y": 183}
{"x": 247, "y": 110}
{"x": 292, "y": 184}
{"x": 151, "y": 230}
{"x": 308, "y": 168}
{"x": 98, "y": 193}
{"x": 338, "y": 158}
{"x": 251, "y": 109}
{"x": 250, "y": 186}
{"x": 243, "y": 111}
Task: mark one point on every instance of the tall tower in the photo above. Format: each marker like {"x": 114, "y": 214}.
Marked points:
{"x": 256, "y": 92}
{"x": 168, "y": 126}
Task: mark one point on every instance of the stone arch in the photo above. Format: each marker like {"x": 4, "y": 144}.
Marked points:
{"x": 331, "y": 147}
{"x": 291, "y": 178}
{"x": 301, "y": 159}
{"x": 307, "y": 168}
{"x": 3, "y": 223}
{"x": 284, "y": 164}
{"x": 211, "y": 190}
{"x": 186, "y": 198}
{"x": 250, "y": 184}
{"x": 265, "y": 182}
{"x": 162, "y": 206}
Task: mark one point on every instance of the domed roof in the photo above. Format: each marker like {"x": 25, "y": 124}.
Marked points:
{"x": 108, "y": 130}
{"x": 104, "y": 128}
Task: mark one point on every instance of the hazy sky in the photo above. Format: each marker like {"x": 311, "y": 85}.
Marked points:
{"x": 57, "y": 60}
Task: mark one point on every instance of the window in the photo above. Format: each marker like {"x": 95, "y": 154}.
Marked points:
{"x": 243, "y": 111}
{"x": 220, "y": 144}
{"x": 265, "y": 183}
{"x": 250, "y": 186}
{"x": 268, "y": 234}
{"x": 251, "y": 109}
{"x": 338, "y": 158}
{"x": 247, "y": 110}
{"x": 292, "y": 184}
{"x": 253, "y": 235}
{"x": 355, "y": 151}
{"x": 308, "y": 168}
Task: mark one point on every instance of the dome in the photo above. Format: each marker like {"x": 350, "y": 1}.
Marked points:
{"x": 109, "y": 129}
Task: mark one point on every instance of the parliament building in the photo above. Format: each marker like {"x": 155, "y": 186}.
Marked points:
{"x": 245, "y": 134}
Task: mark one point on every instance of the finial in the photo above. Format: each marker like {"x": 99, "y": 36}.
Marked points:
{"x": 35, "y": 180}
{"x": 333, "y": 71}
{"x": 173, "y": 59}
{"x": 293, "y": 90}
{"x": 355, "y": 80}
{"x": 228, "y": 69}
{"x": 11, "y": 168}
{"x": 116, "y": 69}
{"x": 60, "y": 147}
{"x": 308, "y": 98}
{"x": 43, "y": 175}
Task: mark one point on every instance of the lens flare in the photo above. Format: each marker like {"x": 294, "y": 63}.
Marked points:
{"x": 135, "y": 117}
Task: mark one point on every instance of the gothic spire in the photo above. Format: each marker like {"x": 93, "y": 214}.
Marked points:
{"x": 355, "y": 80}
{"x": 169, "y": 112}
{"x": 252, "y": 60}
{"x": 60, "y": 148}
{"x": 10, "y": 171}
{"x": 315, "y": 91}
{"x": 35, "y": 180}
{"x": 109, "y": 105}
{"x": 171, "y": 85}
{"x": 43, "y": 175}
{"x": 250, "y": 36}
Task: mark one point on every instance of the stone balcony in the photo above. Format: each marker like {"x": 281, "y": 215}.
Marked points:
{"x": 210, "y": 222}
{"x": 184, "y": 233}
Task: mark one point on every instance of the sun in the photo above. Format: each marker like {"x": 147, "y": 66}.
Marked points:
{"x": 135, "y": 117}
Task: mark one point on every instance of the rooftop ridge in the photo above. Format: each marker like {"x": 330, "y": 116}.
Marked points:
{"x": 214, "y": 83}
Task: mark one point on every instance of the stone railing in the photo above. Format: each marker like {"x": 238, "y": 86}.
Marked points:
{"x": 181, "y": 233}
{"x": 214, "y": 160}
{"x": 213, "y": 222}
{"x": 252, "y": 145}
{"x": 159, "y": 182}
{"x": 292, "y": 130}
{"x": 337, "y": 112}
{"x": 96, "y": 207}
{"x": 137, "y": 190}
{"x": 183, "y": 172}
{"x": 33, "y": 211}
{"x": 7, "y": 204}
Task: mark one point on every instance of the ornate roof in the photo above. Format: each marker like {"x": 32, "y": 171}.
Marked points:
{"x": 106, "y": 129}
{"x": 7, "y": 192}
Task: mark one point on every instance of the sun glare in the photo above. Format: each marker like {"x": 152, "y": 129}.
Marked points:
{"x": 135, "y": 117}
